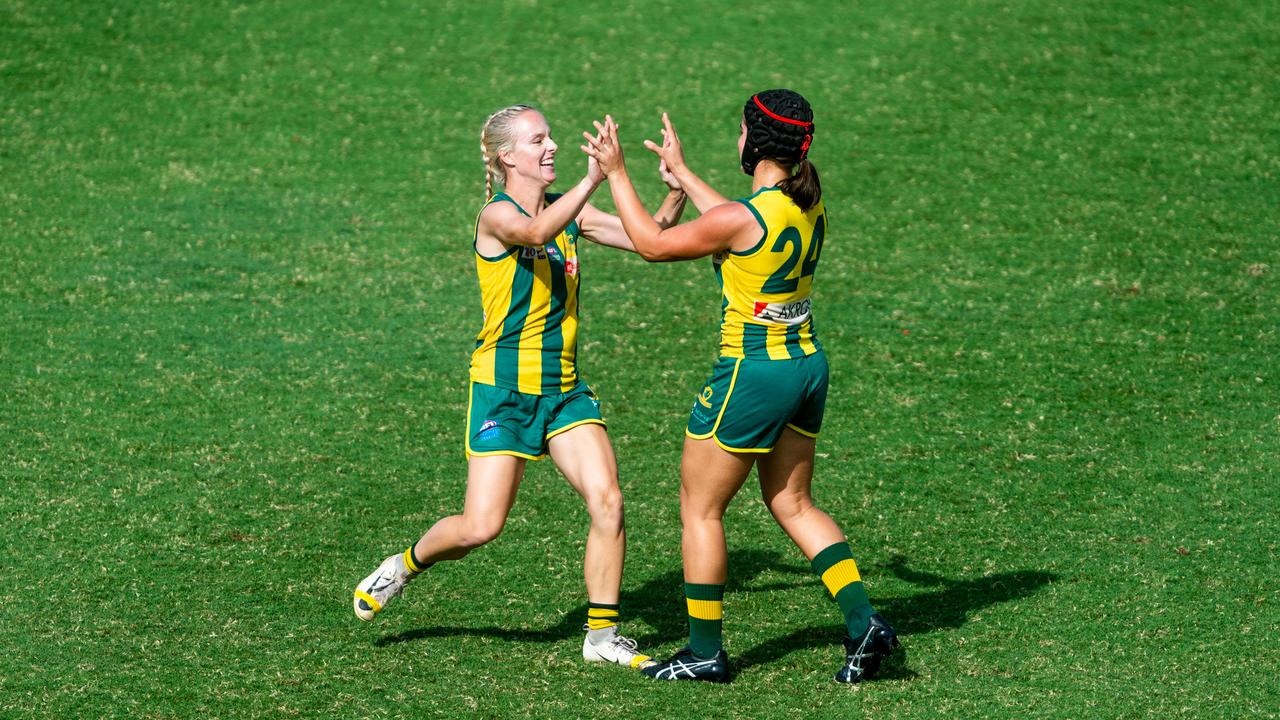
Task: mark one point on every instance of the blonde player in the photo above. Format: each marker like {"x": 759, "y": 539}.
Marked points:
{"x": 527, "y": 399}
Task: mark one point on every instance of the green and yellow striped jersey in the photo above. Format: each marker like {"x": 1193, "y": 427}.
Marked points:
{"x": 767, "y": 312}
{"x": 530, "y": 300}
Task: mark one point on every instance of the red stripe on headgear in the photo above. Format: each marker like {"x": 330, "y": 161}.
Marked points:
{"x": 776, "y": 116}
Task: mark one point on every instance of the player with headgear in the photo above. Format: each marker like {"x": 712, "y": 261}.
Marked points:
{"x": 527, "y": 399}
{"x": 764, "y": 401}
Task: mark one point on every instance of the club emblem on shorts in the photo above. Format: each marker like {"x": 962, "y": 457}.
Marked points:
{"x": 488, "y": 430}
{"x": 705, "y": 398}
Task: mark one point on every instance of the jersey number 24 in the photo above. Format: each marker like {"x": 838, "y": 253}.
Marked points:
{"x": 780, "y": 281}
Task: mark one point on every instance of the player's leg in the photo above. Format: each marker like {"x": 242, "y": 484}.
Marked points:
{"x": 492, "y": 482}
{"x": 709, "y": 478}
{"x": 499, "y": 440}
{"x": 585, "y": 456}
{"x": 786, "y": 476}
{"x": 579, "y": 444}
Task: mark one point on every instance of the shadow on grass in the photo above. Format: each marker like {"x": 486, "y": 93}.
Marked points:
{"x": 947, "y": 607}
{"x": 658, "y": 603}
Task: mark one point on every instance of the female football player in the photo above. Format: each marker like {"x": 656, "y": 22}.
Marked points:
{"x": 527, "y": 400}
{"x": 764, "y": 401}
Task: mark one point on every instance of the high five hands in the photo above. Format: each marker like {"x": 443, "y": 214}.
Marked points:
{"x": 670, "y": 153}
{"x": 606, "y": 151}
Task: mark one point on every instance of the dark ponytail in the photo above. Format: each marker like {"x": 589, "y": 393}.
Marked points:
{"x": 803, "y": 187}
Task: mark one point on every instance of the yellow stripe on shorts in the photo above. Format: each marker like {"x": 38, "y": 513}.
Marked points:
{"x": 841, "y": 574}
{"x": 705, "y": 609}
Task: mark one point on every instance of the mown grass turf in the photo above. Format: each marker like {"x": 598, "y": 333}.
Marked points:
{"x": 237, "y": 300}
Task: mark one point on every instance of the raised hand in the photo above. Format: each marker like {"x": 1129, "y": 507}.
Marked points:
{"x": 604, "y": 147}
{"x": 594, "y": 173}
{"x": 668, "y": 177}
{"x": 670, "y": 153}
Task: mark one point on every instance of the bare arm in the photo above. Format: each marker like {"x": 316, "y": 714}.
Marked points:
{"x": 504, "y": 223}
{"x": 715, "y": 231}
{"x": 671, "y": 152}
{"x": 605, "y": 229}
{"x": 602, "y": 228}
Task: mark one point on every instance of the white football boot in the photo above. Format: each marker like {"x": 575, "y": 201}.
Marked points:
{"x": 614, "y": 648}
{"x": 384, "y": 585}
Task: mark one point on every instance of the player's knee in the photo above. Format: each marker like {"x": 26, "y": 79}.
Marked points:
{"x": 692, "y": 514}
{"x": 788, "y": 506}
{"x": 478, "y": 531}
{"x": 604, "y": 504}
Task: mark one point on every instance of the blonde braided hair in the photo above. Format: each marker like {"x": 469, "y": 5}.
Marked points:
{"x": 496, "y": 137}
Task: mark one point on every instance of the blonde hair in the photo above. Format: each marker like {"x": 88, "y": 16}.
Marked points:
{"x": 496, "y": 137}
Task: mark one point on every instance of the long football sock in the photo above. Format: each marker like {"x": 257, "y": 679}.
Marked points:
{"x": 602, "y": 620}
{"x": 839, "y": 573}
{"x": 411, "y": 563}
{"x": 706, "y": 618}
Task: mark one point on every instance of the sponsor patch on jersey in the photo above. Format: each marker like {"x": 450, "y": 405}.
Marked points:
{"x": 792, "y": 313}
{"x": 555, "y": 254}
{"x": 533, "y": 253}
{"x": 571, "y": 267}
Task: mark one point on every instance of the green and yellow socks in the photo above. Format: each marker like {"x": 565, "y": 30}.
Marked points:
{"x": 706, "y": 618}
{"x": 834, "y": 565}
{"x": 411, "y": 563}
{"x": 839, "y": 573}
{"x": 602, "y": 619}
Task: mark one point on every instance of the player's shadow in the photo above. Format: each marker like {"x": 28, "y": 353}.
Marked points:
{"x": 948, "y": 606}
{"x": 659, "y": 603}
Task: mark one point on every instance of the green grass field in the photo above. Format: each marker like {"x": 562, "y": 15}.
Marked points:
{"x": 237, "y": 300}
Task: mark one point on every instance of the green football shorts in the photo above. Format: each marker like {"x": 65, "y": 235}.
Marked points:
{"x": 746, "y": 403}
{"x": 506, "y": 422}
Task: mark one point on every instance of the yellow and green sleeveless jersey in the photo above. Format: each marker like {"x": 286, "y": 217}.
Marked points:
{"x": 766, "y": 308}
{"x": 530, "y": 299}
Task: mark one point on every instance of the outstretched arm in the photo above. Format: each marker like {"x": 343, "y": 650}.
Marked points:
{"x": 603, "y": 228}
{"x": 671, "y": 154}
{"x": 504, "y": 223}
{"x": 600, "y": 227}
{"x": 713, "y": 232}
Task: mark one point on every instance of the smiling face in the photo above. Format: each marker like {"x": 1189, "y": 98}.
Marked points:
{"x": 532, "y": 156}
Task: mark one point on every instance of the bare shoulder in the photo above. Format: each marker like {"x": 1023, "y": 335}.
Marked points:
{"x": 498, "y": 215}
{"x": 501, "y": 224}
{"x": 731, "y": 220}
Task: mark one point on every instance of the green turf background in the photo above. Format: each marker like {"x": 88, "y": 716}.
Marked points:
{"x": 237, "y": 297}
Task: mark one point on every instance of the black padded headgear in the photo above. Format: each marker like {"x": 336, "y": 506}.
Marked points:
{"x": 779, "y": 127}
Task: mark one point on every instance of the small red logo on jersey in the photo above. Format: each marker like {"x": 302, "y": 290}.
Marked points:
{"x": 760, "y": 307}
{"x": 571, "y": 267}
